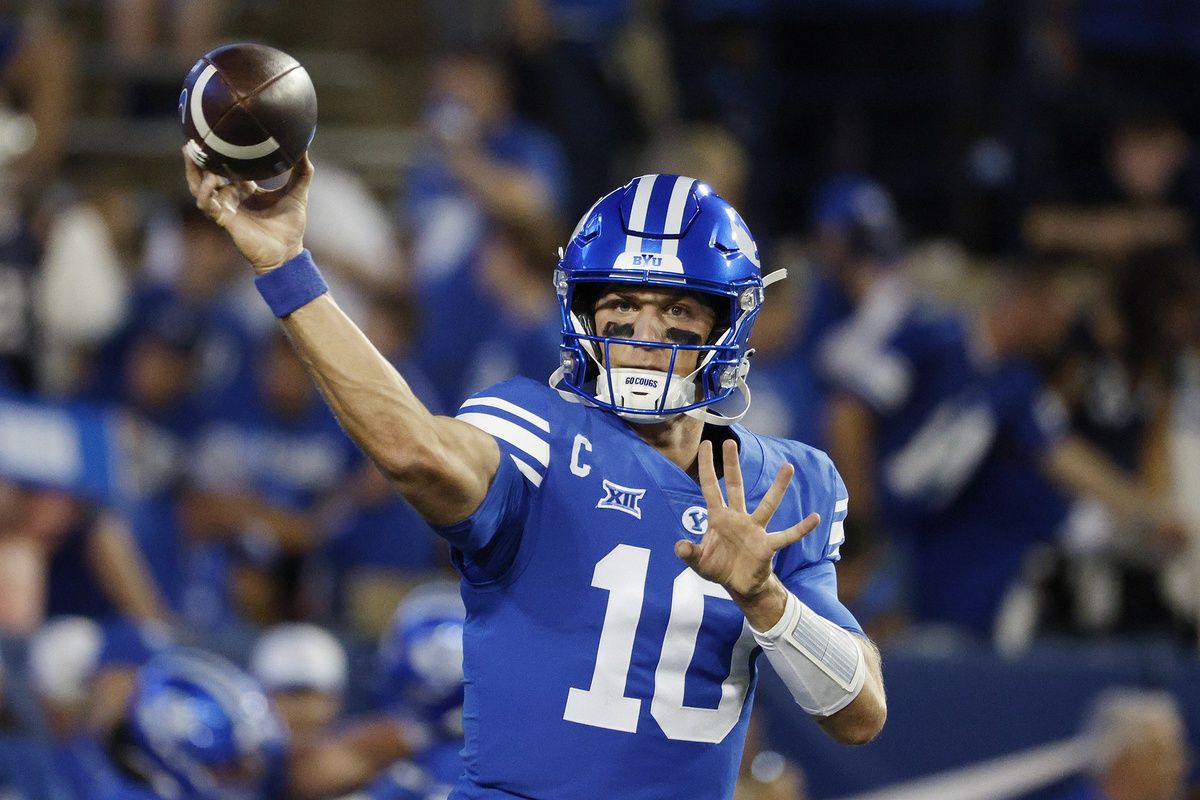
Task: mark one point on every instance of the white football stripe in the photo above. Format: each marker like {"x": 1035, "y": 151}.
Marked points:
{"x": 511, "y": 408}
{"x": 520, "y": 438}
{"x": 1007, "y": 776}
{"x": 637, "y": 214}
{"x": 675, "y": 209}
{"x": 837, "y": 534}
{"x": 841, "y": 505}
{"x": 216, "y": 143}
{"x": 529, "y": 472}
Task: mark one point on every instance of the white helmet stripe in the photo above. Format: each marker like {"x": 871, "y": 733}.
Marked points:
{"x": 227, "y": 149}
{"x": 637, "y": 215}
{"x": 675, "y": 209}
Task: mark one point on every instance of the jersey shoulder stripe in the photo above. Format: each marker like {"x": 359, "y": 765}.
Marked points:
{"x": 514, "y": 434}
{"x": 511, "y": 408}
{"x": 516, "y": 414}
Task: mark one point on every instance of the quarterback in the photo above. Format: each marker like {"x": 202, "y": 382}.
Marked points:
{"x": 627, "y": 551}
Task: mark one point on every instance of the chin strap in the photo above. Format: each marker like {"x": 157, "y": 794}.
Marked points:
{"x": 703, "y": 414}
{"x": 706, "y": 414}
{"x": 556, "y": 378}
{"x": 774, "y": 277}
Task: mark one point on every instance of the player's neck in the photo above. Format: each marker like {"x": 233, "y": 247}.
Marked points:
{"x": 678, "y": 439}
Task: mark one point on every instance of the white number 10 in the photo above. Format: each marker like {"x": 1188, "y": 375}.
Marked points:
{"x": 604, "y": 705}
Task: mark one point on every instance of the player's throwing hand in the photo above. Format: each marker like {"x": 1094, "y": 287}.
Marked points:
{"x": 268, "y": 227}
{"x": 736, "y": 550}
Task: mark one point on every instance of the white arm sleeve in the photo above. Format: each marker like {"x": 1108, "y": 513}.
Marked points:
{"x": 821, "y": 663}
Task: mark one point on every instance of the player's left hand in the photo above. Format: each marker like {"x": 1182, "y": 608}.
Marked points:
{"x": 736, "y": 550}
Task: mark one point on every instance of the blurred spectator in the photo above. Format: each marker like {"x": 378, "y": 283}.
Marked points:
{"x": 857, "y": 236}
{"x": 787, "y": 400}
{"x": 948, "y": 440}
{"x": 304, "y": 669}
{"x": 81, "y": 294}
{"x": 353, "y": 232}
{"x": 378, "y": 548}
{"x": 569, "y": 61}
{"x": 153, "y": 42}
{"x": 1118, "y": 378}
{"x": 162, "y": 417}
{"x": 37, "y": 88}
{"x": 191, "y": 269}
{"x": 63, "y": 655}
{"x": 1151, "y": 198}
{"x": 721, "y": 54}
{"x": 701, "y": 150}
{"x": 66, "y": 556}
{"x": 523, "y": 338}
{"x": 1141, "y": 750}
{"x": 258, "y": 481}
{"x": 95, "y": 568}
{"x": 37, "y": 79}
{"x": 479, "y": 163}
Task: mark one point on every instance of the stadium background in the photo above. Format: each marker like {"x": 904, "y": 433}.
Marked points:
{"x": 993, "y": 124}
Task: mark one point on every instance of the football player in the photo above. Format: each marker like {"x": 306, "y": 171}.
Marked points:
{"x": 626, "y": 551}
{"x": 420, "y": 670}
{"x": 199, "y": 728}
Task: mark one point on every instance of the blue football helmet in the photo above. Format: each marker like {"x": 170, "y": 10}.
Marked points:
{"x": 421, "y": 659}
{"x": 202, "y": 729}
{"x": 665, "y": 232}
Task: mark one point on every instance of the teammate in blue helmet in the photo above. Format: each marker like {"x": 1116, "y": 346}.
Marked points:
{"x": 199, "y": 728}
{"x": 420, "y": 659}
{"x": 619, "y": 581}
{"x": 420, "y": 668}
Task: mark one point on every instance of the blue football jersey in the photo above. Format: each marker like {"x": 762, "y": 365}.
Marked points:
{"x": 597, "y": 664}
{"x": 959, "y": 441}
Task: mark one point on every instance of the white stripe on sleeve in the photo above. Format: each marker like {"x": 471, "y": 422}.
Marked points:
{"x": 527, "y": 442}
{"x": 837, "y": 534}
{"x": 529, "y": 472}
{"x": 511, "y": 408}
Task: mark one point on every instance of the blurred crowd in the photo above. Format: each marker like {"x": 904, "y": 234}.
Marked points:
{"x": 1003, "y": 358}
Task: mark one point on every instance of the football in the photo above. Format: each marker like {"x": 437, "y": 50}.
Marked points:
{"x": 249, "y": 112}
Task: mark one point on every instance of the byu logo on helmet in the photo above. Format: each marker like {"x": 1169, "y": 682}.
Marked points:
{"x": 671, "y": 233}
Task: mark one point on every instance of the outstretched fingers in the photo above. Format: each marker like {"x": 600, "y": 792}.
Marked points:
{"x": 708, "y": 477}
{"x": 734, "y": 485}
{"x": 804, "y": 527}
{"x": 774, "y": 496}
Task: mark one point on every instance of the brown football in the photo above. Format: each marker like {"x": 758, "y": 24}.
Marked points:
{"x": 249, "y": 111}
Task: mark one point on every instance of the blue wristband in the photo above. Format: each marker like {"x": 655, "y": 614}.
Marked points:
{"x": 294, "y": 283}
